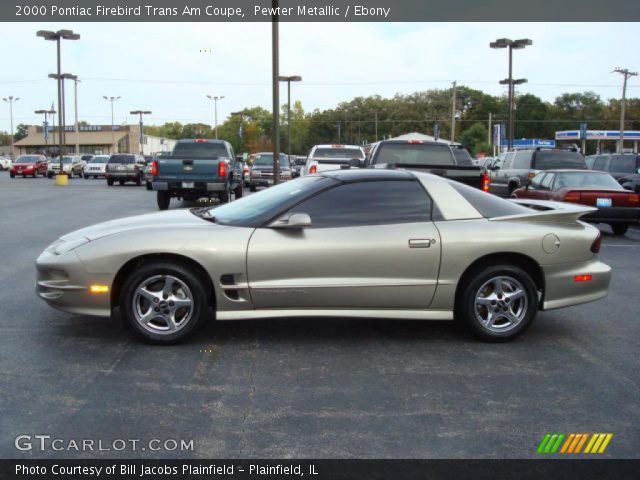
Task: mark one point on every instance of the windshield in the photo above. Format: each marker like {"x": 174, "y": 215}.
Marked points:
{"x": 552, "y": 159}
{"x": 27, "y": 159}
{"x": 200, "y": 149}
{"x": 99, "y": 159}
{"x": 586, "y": 179}
{"x": 267, "y": 159}
{"x": 338, "y": 153}
{"x": 414, "y": 154}
{"x": 67, "y": 160}
{"x": 624, "y": 164}
{"x": 255, "y": 209}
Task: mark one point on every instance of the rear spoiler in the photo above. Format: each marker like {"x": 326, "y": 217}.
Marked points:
{"x": 548, "y": 211}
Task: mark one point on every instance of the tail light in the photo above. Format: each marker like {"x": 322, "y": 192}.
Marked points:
{"x": 154, "y": 168}
{"x": 222, "y": 169}
{"x": 485, "y": 182}
{"x": 633, "y": 199}
{"x": 572, "y": 197}
{"x": 583, "y": 278}
{"x": 313, "y": 169}
{"x": 531, "y": 175}
{"x": 597, "y": 243}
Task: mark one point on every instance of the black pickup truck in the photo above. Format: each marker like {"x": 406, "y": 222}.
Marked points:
{"x": 195, "y": 169}
{"x": 431, "y": 157}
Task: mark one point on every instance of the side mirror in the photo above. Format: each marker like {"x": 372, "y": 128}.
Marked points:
{"x": 293, "y": 221}
{"x": 495, "y": 167}
{"x": 355, "y": 163}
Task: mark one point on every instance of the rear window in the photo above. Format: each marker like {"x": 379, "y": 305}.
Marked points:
{"x": 267, "y": 159}
{"x": 122, "y": 159}
{"x": 99, "y": 159}
{"x": 488, "y": 205}
{"x": 414, "y": 154}
{"x": 554, "y": 159}
{"x": 338, "y": 153}
{"x": 200, "y": 149}
{"x": 624, "y": 164}
{"x": 462, "y": 157}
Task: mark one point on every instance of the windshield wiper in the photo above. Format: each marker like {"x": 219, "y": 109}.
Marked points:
{"x": 204, "y": 213}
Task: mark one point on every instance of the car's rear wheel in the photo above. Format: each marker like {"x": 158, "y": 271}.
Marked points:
{"x": 252, "y": 187}
{"x": 110, "y": 182}
{"x": 619, "y": 228}
{"x": 12, "y": 175}
{"x": 138, "y": 180}
{"x": 149, "y": 187}
{"x": 163, "y": 303}
{"x": 225, "y": 196}
{"x": 239, "y": 191}
{"x": 163, "y": 199}
{"x": 498, "y": 303}
{"x": 121, "y": 182}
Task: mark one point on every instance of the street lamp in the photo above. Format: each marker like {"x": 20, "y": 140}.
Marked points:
{"x": 57, "y": 36}
{"x": 293, "y": 78}
{"x": 241, "y": 114}
{"x": 215, "y": 109}
{"x": 45, "y": 130}
{"x": 113, "y": 138}
{"x": 511, "y": 45}
{"x": 141, "y": 113}
{"x": 11, "y": 100}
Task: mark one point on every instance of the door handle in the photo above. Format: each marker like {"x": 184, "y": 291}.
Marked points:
{"x": 421, "y": 242}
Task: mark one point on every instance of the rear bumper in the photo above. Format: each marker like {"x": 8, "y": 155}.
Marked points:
{"x": 198, "y": 187}
{"x": 122, "y": 175}
{"x": 561, "y": 290}
{"x": 614, "y": 215}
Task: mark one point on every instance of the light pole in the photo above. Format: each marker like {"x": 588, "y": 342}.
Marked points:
{"x": 240, "y": 129}
{"x": 45, "y": 129}
{"x": 141, "y": 113}
{"x": 453, "y": 112}
{"x": 275, "y": 74}
{"x": 215, "y": 110}
{"x": 511, "y": 45}
{"x": 11, "y": 100}
{"x": 113, "y": 138}
{"x": 57, "y": 36}
{"x": 626, "y": 73}
{"x": 293, "y": 78}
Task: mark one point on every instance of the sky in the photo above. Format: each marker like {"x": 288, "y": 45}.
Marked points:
{"x": 169, "y": 68}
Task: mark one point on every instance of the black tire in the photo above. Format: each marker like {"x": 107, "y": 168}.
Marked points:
{"x": 164, "y": 199}
{"x": 511, "y": 188}
{"x": 35, "y": 174}
{"x": 70, "y": 174}
{"x": 133, "y": 305}
{"x": 239, "y": 191}
{"x": 148, "y": 185}
{"x": 225, "y": 196}
{"x": 110, "y": 182}
{"x": 478, "y": 285}
{"x": 12, "y": 175}
{"x": 49, "y": 175}
{"x": 121, "y": 182}
{"x": 252, "y": 187}
{"x": 619, "y": 228}
{"x": 138, "y": 180}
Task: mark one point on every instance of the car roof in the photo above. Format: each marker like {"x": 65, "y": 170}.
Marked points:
{"x": 356, "y": 174}
{"x": 336, "y": 145}
{"x": 573, "y": 170}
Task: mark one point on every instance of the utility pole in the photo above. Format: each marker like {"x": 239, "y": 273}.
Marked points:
{"x": 141, "y": 138}
{"x": 275, "y": 83}
{"x": 289, "y": 79}
{"x": 376, "y": 124}
{"x": 489, "y": 134}
{"x": 626, "y": 73}
{"x": 453, "y": 114}
{"x": 11, "y": 100}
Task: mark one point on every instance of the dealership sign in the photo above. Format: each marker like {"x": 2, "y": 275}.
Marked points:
{"x": 597, "y": 135}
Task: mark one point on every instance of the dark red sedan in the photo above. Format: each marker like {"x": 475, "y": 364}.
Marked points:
{"x": 29, "y": 166}
{"x": 616, "y": 206}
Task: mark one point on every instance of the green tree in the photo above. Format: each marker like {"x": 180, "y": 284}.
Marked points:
{"x": 474, "y": 137}
{"x": 21, "y": 132}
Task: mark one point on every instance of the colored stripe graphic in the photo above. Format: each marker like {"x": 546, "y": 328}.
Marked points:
{"x": 573, "y": 443}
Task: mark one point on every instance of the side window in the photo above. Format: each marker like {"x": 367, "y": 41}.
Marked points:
{"x": 600, "y": 163}
{"x": 368, "y": 203}
{"x": 623, "y": 164}
{"x": 536, "y": 181}
{"x": 522, "y": 161}
{"x": 508, "y": 160}
{"x": 547, "y": 181}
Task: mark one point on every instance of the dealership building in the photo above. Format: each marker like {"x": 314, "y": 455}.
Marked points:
{"x": 94, "y": 139}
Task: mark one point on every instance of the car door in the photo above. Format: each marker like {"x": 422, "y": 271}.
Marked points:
{"x": 370, "y": 245}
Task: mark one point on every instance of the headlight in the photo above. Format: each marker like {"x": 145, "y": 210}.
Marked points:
{"x": 60, "y": 246}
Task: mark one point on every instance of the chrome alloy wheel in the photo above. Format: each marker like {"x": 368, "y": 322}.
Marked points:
{"x": 163, "y": 304}
{"x": 500, "y": 304}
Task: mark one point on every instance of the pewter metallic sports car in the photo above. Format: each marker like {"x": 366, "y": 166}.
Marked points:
{"x": 348, "y": 243}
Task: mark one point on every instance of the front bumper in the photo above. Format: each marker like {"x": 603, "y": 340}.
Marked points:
{"x": 561, "y": 289}
{"x": 63, "y": 283}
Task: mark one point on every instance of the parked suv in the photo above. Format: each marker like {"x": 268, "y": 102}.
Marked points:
{"x": 125, "y": 167}
{"x": 31, "y": 165}
{"x": 522, "y": 165}
{"x": 618, "y": 165}
{"x": 72, "y": 165}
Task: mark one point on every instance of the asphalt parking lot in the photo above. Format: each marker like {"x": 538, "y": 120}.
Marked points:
{"x": 318, "y": 388}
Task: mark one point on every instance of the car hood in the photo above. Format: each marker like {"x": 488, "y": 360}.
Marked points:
{"x": 24, "y": 164}
{"x": 173, "y": 219}
{"x": 267, "y": 168}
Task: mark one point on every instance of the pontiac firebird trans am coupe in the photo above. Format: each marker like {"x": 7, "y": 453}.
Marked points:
{"x": 347, "y": 243}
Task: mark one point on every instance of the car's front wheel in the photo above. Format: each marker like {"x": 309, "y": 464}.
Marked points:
{"x": 498, "y": 303}
{"x": 164, "y": 302}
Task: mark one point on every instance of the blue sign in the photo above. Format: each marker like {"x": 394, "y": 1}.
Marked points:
{"x": 583, "y": 131}
{"x": 45, "y": 127}
{"x": 533, "y": 143}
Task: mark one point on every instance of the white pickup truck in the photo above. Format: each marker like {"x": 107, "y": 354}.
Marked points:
{"x": 332, "y": 157}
